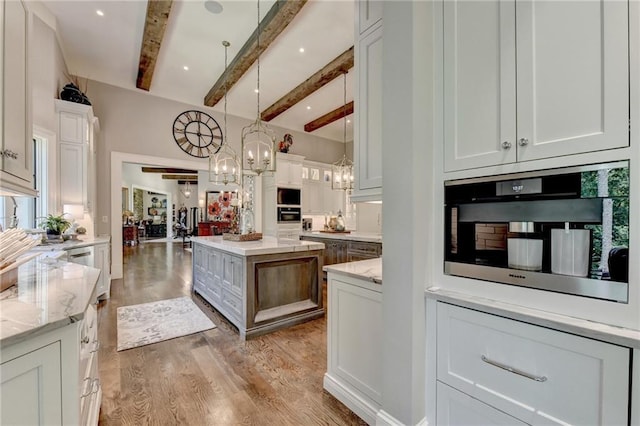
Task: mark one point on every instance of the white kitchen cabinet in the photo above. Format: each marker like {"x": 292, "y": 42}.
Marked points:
{"x": 52, "y": 378}
{"x": 31, "y": 388}
{"x": 369, "y": 13}
{"x": 367, "y": 142}
{"x": 16, "y": 145}
{"x": 534, "y": 374}
{"x": 354, "y": 348}
{"x": 317, "y": 196}
{"x": 77, "y": 129}
{"x": 288, "y": 170}
{"x": 458, "y": 409}
{"x": 567, "y": 79}
{"x": 102, "y": 261}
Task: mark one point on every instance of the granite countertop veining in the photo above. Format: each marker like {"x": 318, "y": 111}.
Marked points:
{"x": 594, "y": 330}
{"x": 50, "y": 294}
{"x": 353, "y": 236}
{"x": 369, "y": 270}
{"x": 267, "y": 245}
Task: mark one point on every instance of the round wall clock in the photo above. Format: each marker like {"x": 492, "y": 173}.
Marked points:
{"x": 197, "y": 133}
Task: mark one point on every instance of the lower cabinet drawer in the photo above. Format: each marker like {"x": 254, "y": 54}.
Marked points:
{"x": 532, "y": 373}
{"x": 232, "y": 304}
{"x": 455, "y": 408}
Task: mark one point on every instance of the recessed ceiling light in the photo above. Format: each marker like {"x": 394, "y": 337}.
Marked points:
{"x": 301, "y": 50}
{"x": 186, "y": 68}
{"x": 308, "y": 107}
{"x": 99, "y": 12}
{"x": 213, "y": 6}
{"x": 256, "y": 90}
{"x": 348, "y": 121}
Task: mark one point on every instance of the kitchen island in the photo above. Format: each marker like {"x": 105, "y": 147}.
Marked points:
{"x": 49, "y": 344}
{"x": 259, "y": 286}
{"x": 354, "y": 348}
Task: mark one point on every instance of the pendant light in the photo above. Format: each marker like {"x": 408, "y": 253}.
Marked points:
{"x": 258, "y": 139}
{"x": 224, "y": 167}
{"x": 186, "y": 190}
{"x": 342, "y": 171}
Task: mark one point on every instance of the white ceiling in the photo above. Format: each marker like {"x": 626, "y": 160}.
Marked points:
{"x": 107, "y": 49}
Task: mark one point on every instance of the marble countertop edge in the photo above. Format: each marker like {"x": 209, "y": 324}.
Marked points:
{"x": 578, "y": 326}
{"x": 368, "y": 270}
{"x": 353, "y": 236}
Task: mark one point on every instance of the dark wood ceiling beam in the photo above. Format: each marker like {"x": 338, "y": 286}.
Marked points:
{"x": 274, "y": 22}
{"x": 340, "y": 65}
{"x": 329, "y": 117}
{"x": 181, "y": 177}
{"x": 167, "y": 170}
{"x": 154, "y": 27}
{"x": 184, "y": 182}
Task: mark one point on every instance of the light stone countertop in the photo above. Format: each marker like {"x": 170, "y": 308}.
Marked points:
{"x": 353, "y": 236}
{"x": 581, "y": 327}
{"x": 368, "y": 270}
{"x": 267, "y": 245}
{"x": 83, "y": 241}
{"x": 50, "y": 294}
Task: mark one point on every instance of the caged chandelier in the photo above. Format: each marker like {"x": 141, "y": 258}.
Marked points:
{"x": 258, "y": 139}
{"x": 342, "y": 170}
{"x": 224, "y": 167}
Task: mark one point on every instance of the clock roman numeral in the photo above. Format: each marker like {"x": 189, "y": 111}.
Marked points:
{"x": 189, "y": 117}
{"x": 183, "y": 140}
{"x": 198, "y": 116}
{"x": 178, "y": 130}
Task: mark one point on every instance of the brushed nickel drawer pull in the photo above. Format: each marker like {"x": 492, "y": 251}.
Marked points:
{"x": 514, "y": 370}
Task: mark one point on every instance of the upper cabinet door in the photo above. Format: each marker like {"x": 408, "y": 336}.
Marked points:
{"x": 368, "y": 148}
{"x": 369, "y": 12}
{"x": 15, "y": 123}
{"x": 479, "y": 84}
{"x": 573, "y": 77}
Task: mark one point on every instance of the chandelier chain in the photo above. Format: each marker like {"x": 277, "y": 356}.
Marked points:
{"x": 226, "y": 45}
{"x": 344, "y": 113}
{"x": 258, "y": 61}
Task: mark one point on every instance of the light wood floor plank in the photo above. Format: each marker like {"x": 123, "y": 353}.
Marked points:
{"x": 211, "y": 377}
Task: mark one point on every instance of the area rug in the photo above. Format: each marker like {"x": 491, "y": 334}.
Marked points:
{"x": 147, "y": 323}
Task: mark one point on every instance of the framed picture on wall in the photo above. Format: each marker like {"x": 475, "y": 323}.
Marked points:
{"x": 219, "y": 206}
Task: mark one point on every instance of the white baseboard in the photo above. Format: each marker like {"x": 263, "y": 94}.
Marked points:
{"x": 362, "y": 408}
{"x": 386, "y": 419}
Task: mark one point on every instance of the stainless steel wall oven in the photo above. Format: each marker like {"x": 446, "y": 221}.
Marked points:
{"x": 562, "y": 230}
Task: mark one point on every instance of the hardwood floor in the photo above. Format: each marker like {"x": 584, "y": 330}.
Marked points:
{"x": 212, "y": 377}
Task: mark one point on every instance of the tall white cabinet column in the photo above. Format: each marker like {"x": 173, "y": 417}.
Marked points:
{"x": 77, "y": 131}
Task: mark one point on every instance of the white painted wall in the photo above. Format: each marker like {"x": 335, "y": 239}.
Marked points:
{"x": 136, "y": 122}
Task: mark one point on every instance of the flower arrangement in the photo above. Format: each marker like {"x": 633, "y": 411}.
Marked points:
{"x": 285, "y": 144}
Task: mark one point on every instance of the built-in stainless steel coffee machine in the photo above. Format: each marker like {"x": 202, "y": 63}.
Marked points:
{"x": 563, "y": 230}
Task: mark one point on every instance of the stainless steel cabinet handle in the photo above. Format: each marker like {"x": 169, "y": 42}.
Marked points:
{"x": 514, "y": 370}
{"x": 523, "y": 141}
{"x": 506, "y": 145}
{"x": 9, "y": 153}
{"x": 87, "y": 253}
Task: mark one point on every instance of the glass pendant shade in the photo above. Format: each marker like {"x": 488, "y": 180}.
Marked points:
{"x": 224, "y": 167}
{"x": 342, "y": 176}
{"x": 258, "y": 149}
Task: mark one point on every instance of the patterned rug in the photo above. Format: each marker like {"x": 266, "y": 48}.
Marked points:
{"x": 147, "y": 323}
